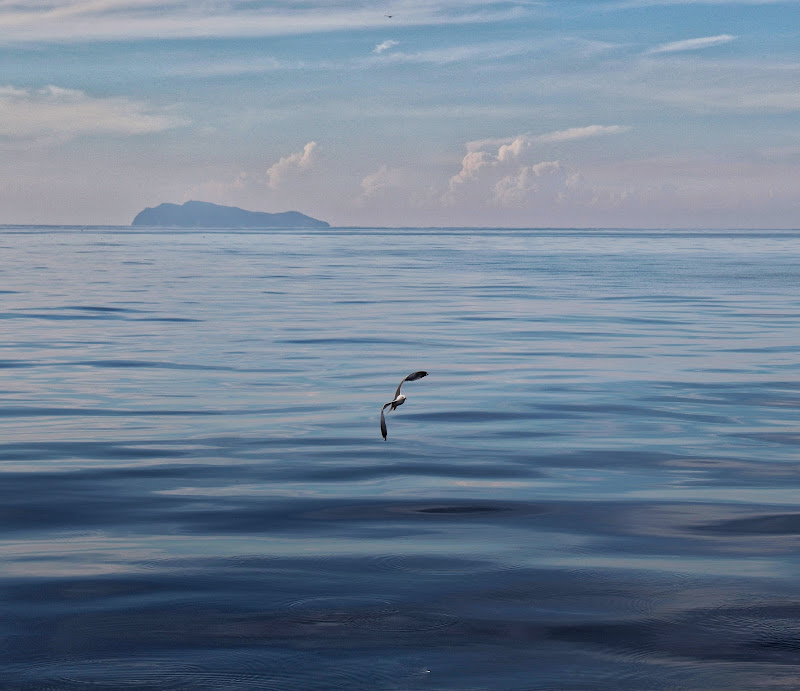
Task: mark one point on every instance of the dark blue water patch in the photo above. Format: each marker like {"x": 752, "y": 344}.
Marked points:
{"x": 675, "y": 298}
{"x": 53, "y": 411}
{"x": 770, "y": 524}
{"x": 756, "y": 634}
{"x": 209, "y": 475}
{"x": 344, "y": 473}
{"x": 655, "y": 321}
{"x": 475, "y": 416}
{"x": 67, "y": 508}
{"x": 483, "y": 318}
{"x": 99, "y": 308}
{"x": 91, "y": 450}
{"x": 128, "y": 500}
{"x": 316, "y": 441}
{"x": 518, "y": 433}
{"x": 637, "y": 411}
{"x": 757, "y": 395}
{"x": 549, "y": 334}
{"x": 444, "y": 509}
{"x": 14, "y": 364}
{"x": 738, "y": 471}
{"x": 577, "y": 355}
{"x": 732, "y": 387}
{"x": 263, "y": 515}
{"x": 234, "y": 669}
{"x": 154, "y": 364}
{"x": 787, "y": 348}
{"x": 178, "y": 320}
{"x": 783, "y": 438}
{"x": 150, "y": 364}
{"x": 92, "y": 315}
{"x": 610, "y": 458}
{"x": 127, "y": 363}
{"x": 58, "y": 317}
{"x": 771, "y": 317}
{"x": 319, "y": 613}
{"x": 359, "y": 340}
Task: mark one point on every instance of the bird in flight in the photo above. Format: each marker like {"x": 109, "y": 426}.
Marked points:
{"x": 399, "y": 399}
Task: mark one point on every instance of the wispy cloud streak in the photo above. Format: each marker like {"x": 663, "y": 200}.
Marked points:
{"x": 522, "y": 141}
{"x": 53, "y": 114}
{"x": 693, "y": 44}
{"x": 94, "y": 20}
{"x": 633, "y": 4}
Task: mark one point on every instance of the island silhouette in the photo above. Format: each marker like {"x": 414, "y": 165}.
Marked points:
{"x": 207, "y": 215}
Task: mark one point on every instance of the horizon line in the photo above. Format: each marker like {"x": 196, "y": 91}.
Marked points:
{"x": 132, "y": 228}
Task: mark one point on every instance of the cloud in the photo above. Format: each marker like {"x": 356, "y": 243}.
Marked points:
{"x": 386, "y": 45}
{"x": 380, "y": 181}
{"x": 291, "y": 166}
{"x": 97, "y": 20}
{"x": 459, "y": 53}
{"x": 504, "y": 171}
{"x": 688, "y": 86}
{"x": 581, "y": 133}
{"x": 53, "y": 113}
{"x": 292, "y": 175}
{"x": 528, "y": 181}
{"x": 495, "y": 177}
{"x": 514, "y": 145}
{"x": 382, "y": 56}
{"x": 634, "y": 4}
{"x": 693, "y": 44}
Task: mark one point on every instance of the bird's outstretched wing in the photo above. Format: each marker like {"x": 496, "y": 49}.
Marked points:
{"x": 411, "y": 377}
{"x": 383, "y": 421}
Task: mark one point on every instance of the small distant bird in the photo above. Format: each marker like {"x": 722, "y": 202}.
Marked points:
{"x": 399, "y": 399}
{"x": 388, "y": 16}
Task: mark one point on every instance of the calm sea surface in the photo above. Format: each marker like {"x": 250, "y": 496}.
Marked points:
{"x": 596, "y": 487}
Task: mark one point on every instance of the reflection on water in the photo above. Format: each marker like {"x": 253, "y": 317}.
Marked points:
{"x": 596, "y": 486}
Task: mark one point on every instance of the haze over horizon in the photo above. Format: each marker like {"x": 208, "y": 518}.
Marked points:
{"x": 652, "y": 113}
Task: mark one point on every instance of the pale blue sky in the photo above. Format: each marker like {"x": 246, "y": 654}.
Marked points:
{"x": 656, "y": 113}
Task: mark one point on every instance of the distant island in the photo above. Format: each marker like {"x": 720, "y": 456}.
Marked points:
{"x": 207, "y": 215}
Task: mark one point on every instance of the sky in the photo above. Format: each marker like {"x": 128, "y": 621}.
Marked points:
{"x": 551, "y": 113}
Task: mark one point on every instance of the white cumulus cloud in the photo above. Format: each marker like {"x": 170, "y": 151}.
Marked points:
{"x": 523, "y": 183}
{"x": 381, "y": 180}
{"x": 499, "y": 176}
{"x": 509, "y": 173}
{"x": 292, "y": 165}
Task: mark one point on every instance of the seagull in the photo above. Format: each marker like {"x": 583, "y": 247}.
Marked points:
{"x": 399, "y": 399}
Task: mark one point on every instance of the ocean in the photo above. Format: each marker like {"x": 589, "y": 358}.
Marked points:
{"x": 595, "y": 487}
